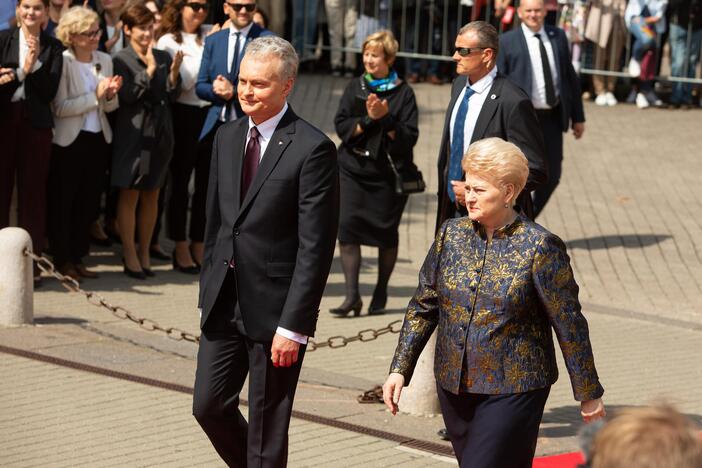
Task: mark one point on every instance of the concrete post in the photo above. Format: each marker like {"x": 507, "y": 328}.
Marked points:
{"x": 419, "y": 398}
{"x": 16, "y": 278}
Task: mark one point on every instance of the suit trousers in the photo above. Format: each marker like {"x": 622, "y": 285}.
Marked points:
{"x": 493, "y": 431}
{"x": 75, "y": 180}
{"x": 225, "y": 357}
{"x": 550, "y": 123}
{"x": 188, "y": 154}
{"x": 25, "y": 155}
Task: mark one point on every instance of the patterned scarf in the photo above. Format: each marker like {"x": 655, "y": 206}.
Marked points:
{"x": 382, "y": 84}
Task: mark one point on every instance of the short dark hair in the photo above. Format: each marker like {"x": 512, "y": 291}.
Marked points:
{"x": 136, "y": 14}
{"x": 488, "y": 36}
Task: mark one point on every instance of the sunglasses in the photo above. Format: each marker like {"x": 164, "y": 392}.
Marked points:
{"x": 466, "y": 51}
{"x": 196, "y": 7}
{"x": 246, "y": 6}
{"x": 92, "y": 34}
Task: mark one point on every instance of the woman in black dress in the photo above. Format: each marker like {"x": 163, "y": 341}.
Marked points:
{"x": 143, "y": 143}
{"x": 377, "y": 116}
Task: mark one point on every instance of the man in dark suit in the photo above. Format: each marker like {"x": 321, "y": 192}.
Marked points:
{"x": 219, "y": 68}
{"x": 484, "y": 104}
{"x": 536, "y": 57}
{"x": 269, "y": 243}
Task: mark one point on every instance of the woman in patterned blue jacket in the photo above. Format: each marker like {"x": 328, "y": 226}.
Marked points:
{"x": 495, "y": 284}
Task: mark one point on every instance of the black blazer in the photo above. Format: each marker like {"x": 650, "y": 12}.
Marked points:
{"x": 513, "y": 61}
{"x": 281, "y": 237}
{"x": 39, "y": 87}
{"x": 508, "y": 114}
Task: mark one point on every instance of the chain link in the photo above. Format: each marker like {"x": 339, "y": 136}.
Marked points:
{"x": 177, "y": 334}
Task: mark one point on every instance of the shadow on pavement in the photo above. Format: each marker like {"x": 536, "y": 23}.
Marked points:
{"x": 628, "y": 241}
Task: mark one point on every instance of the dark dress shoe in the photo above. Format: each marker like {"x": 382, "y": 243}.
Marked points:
{"x": 345, "y": 309}
{"x": 159, "y": 254}
{"x": 83, "y": 272}
{"x": 188, "y": 270}
{"x": 443, "y": 434}
{"x": 136, "y": 274}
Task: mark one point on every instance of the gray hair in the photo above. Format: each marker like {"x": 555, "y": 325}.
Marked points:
{"x": 278, "y": 47}
{"x": 486, "y": 33}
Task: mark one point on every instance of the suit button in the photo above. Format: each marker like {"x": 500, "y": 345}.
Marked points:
{"x": 226, "y": 262}
{"x": 236, "y": 231}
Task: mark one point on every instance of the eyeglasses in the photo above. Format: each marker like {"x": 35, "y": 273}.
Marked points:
{"x": 246, "y": 6}
{"x": 196, "y": 7}
{"x": 466, "y": 51}
{"x": 92, "y": 34}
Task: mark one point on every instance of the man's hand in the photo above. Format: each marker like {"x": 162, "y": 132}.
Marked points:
{"x": 284, "y": 352}
{"x": 592, "y": 410}
{"x": 459, "y": 189}
{"x": 392, "y": 388}
{"x": 223, "y": 88}
{"x": 578, "y": 129}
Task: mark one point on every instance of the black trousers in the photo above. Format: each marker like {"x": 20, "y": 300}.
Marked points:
{"x": 225, "y": 357}
{"x": 493, "y": 431}
{"x": 189, "y": 154}
{"x": 75, "y": 181}
{"x": 550, "y": 123}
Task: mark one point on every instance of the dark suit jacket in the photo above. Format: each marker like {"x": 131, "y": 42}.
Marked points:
{"x": 508, "y": 114}
{"x": 513, "y": 62}
{"x": 214, "y": 62}
{"x": 281, "y": 237}
{"x": 39, "y": 87}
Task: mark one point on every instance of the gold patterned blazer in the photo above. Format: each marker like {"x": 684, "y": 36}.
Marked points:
{"x": 494, "y": 304}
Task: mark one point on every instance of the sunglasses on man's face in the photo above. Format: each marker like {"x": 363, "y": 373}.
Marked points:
{"x": 466, "y": 51}
{"x": 196, "y": 7}
{"x": 246, "y": 6}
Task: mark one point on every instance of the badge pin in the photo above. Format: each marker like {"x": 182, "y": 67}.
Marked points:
{"x": 280, "y": 142}
{"x": 494, "y": 96}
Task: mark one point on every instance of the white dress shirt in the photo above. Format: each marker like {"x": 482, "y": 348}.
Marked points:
{"x": 538, "y": 83}
{"x": 266, "y": 129}
{"x": 19, "y": 72}
{"x": 243, "y": 34}
{"x": 192, "y": 56}
{"x": 475, "y": 105}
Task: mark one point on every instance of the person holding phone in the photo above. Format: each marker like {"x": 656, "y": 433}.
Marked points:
{"x": 377, "y": 117}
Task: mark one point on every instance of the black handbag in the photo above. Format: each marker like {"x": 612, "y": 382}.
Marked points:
{"x": 408, "y": 179}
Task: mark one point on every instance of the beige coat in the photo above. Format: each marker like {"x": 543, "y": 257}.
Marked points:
{"x": 605, "y": 17}
{"x": 73, "y": 103}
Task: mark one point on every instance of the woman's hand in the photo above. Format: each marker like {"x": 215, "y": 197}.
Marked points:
{"x": 175, "y": 67}
{"x": 592, "y": 410}
{"x": 392, "y": 390}
{"x": 101, "y": 90}
{"x": 149, "y": 59}
{"x": 113, "y": 86}
{"x": 376, "y": 108}
{"x": 32, "y": 54}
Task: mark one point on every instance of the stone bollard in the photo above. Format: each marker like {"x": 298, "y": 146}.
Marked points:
{"x": 16, "y": 278}
{"x": 419, "y": 398}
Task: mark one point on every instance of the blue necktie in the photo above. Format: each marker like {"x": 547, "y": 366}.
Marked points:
{"x": 455, "y": 171}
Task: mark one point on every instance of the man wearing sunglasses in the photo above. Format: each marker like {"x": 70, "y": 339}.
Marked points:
{"x": 219, "y": 69}
{"x": 537, "y": 58}
{"x": 484, "y": 104}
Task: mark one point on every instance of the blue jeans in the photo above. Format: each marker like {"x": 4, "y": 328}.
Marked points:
{"x": 679, "y": 57}
{"x": 642, "y": 41}
{"x": 304, "y": 27}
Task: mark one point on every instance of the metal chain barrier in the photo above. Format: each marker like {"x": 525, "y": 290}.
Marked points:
{"x": 177, "y": 334}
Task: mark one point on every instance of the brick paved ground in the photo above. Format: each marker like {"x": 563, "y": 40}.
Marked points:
{"x": 628, "y": 206}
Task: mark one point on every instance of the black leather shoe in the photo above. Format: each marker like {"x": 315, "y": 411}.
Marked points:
{"x": 443, "y": 434}
{"x": 136, "y": 274}
{"x": 344, "y": 310}
{"x": 188, "y": 270}
{"x": 149, "y": 272}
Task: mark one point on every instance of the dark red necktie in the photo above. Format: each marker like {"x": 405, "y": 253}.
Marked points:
{"x": 251, "y": 159}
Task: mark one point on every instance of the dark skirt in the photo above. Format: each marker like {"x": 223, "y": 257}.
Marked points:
{"x": 370, "y": 211}
{"x": 125, "y": 171}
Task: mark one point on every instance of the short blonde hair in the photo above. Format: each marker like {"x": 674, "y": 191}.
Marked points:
{"x": 653, "y": 437}
{"x": 77, "y": 20}
{"x": 385, "y": 39}
{"x": 498, "y": 161}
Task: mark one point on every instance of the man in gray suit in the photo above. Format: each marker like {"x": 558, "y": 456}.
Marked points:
{"x": 272, "y": 215}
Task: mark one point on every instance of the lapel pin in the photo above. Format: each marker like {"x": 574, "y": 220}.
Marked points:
{"x": 494, "y": 96}
{"x": 280, "y": 142}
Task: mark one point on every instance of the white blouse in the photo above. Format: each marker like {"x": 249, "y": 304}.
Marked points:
{"x": 92, "y": 120}
{"x": 192, "y": 56}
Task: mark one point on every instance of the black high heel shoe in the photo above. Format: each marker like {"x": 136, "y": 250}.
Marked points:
{"x": 343, "y": 311}
{"x": 136, "y": 274}
{"x": 377, "y": 306}
{"x": 189, "y": 270}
